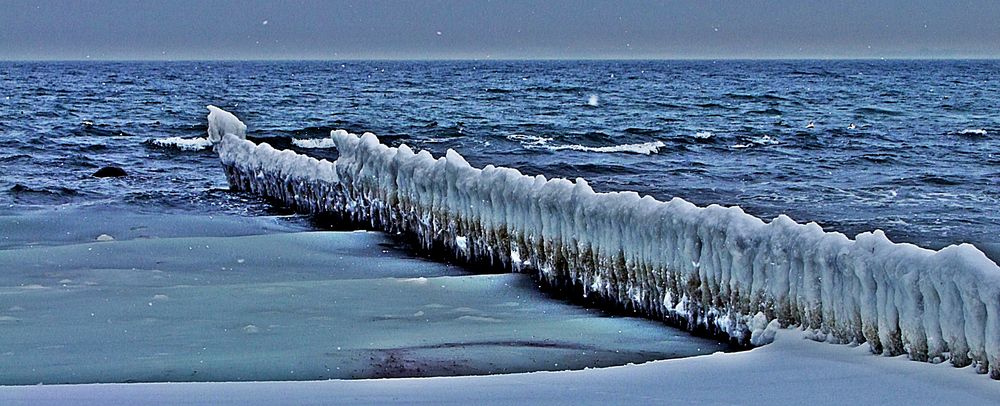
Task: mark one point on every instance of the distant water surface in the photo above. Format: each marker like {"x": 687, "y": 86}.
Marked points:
{"x": 909, "y": 147}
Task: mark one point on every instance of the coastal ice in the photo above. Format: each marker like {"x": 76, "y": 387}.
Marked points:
{"x": 255, "y": 307}
{"x": 713, "y": 268}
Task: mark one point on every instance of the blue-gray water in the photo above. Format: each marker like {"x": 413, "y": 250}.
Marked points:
{"x": 915, "y": 163}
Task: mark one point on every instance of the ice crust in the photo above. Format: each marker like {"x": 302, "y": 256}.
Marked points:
{"x": 713, "y": 268}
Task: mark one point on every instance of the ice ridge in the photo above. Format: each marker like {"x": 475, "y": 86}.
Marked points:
{"x": 713, "y": 268}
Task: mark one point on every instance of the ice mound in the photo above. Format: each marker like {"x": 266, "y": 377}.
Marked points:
{"x": 222, "y": 123}
{"x": 714, "y": 268}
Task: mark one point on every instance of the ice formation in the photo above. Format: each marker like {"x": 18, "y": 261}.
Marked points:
{"x": 222, "y": 123}
{"x": 714, "y": 268}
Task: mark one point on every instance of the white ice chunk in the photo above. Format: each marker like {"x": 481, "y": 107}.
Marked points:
{"x": 222, "y": 123}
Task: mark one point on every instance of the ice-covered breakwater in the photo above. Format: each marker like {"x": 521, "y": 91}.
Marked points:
{"x": 713, "y": 268}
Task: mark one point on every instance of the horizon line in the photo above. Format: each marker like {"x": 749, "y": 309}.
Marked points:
{"x": 554, "y": 59}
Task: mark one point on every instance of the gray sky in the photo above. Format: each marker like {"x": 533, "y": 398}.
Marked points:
{"x": 473, "y": 29}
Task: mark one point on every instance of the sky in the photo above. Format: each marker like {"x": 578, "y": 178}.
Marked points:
{"x": 481, "y": 29}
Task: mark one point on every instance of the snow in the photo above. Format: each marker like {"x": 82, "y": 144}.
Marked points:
{"x": 789, "y": 371}
{"x": 715, "y": 268}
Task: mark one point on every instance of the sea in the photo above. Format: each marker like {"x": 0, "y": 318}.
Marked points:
{"x": 90, "y": 267}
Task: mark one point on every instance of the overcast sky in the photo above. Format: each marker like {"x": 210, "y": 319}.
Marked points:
{"x": 473, "y": 29}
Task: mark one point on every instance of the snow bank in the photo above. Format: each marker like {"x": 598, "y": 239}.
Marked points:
{"x": 791, "y": 371}
{"x": 715, "y": 268}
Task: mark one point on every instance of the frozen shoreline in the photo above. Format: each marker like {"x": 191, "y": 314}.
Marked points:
{"x": 792, "y": 370}
{"x": 715, "y": 268}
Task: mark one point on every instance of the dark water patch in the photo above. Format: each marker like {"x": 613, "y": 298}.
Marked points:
{"x": 881, "y": 158}
{"x": 767, "y": 97}
{"x": 809, "y": 73}
{"x": 643, "y": 131}
{"x": 936, "y": 180}
{"x": 48, "y": 195}
{"x": 573, "y": 170}
{"x": 557, "y": 89}
{"x": 97, "y": 131}
{"x": 877, "y": 111}
{"x": 766, "y": 112}
{"x": 713, "y": 106}
{"x": 15, "y": 158}
{"x": 670, "y": 106}
{"x": 498, "y": 90}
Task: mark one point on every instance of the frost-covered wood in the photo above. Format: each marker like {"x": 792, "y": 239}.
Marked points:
{"x": 714, "y": 268}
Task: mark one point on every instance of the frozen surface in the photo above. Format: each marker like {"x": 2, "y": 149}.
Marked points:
{"x": 288, "y": 306}
{"x": 715, "y": 268}
{"x": 81, "y": 225}
{"x": 790, "y": 371}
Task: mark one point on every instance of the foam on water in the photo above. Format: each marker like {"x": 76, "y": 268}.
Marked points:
{"x": 645, "y": 148}
{"x": 186, "y": 144}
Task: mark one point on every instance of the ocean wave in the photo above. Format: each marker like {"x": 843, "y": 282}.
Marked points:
{"x": 754, "y": 141}
{"x": 184, "y": 144}
{"x": 645, "y": 148}
{"x": 973, "y": 131}
{"x": 532, "y": 141}
{"x": 313, "y": 143}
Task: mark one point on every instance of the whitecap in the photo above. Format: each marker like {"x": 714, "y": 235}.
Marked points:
{"x": 764, "y": 140}
{"x": 645, "y": 148}
{"x": 314, "y": 143}
{"x": 529, "y": 140}
{"x": 185, "y": 144}
{"x": 973, "y": 131}
{"x": 703, "y": 135}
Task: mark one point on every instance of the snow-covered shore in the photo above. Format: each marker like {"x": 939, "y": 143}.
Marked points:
{"x": 789, "y": 371}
